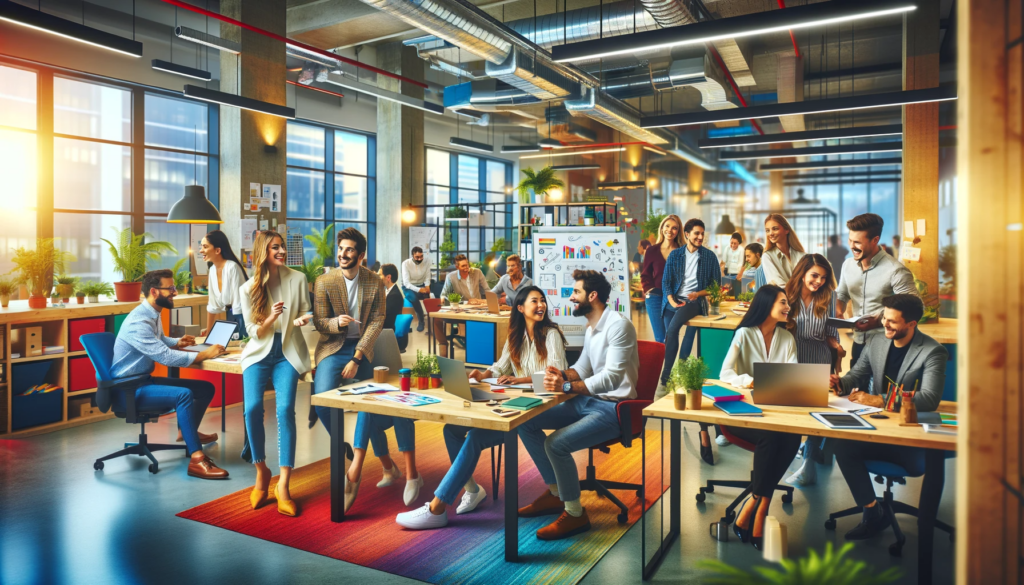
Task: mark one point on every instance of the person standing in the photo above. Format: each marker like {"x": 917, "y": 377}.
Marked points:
{"x": 512, "y": 282}
{"x": 753, "y": 270}
{"x": 605, "y": 373}
{"x": 670, "y": 237}
{"x": 416, "y": 282}
{"x": 226, "y": 275}
{"x": 836, "y": 253}
{"x": 466, "y": 281}
{"x": 393, "y": 302}
{"x": 638, "y": 256}
{"x": 867, "y": 278}
{"x": 783, "y": 251}
{"x": 732, "y": 258}
{"x": 275, "y": 304}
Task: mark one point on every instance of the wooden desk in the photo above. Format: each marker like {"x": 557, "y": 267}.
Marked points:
{"x": 795, "y": 420}
{"x": 489, "y": 332}
{"x": 449, "y": 411}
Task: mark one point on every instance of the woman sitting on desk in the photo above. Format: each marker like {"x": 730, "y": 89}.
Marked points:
{"x": 534, "y": 343}
{"x": 759, "y": 339}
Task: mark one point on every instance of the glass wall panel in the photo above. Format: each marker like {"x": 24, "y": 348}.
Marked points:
{"x": 167, "y": 174}
{"x": 91, "y": 175}
{"x": 17, "y": 98}
{"x": 305, "y": 193}
{"x": 438, "y": 169}
{"x": 350, "y": 153}
{"x": 350, "y": 198}
{"x": 176, "y": 123}
{"x": 305, "y": 146}
{"x": 91, "y": 110}
{"x": 175, "y": 233}
{"x": 81, "y": 233}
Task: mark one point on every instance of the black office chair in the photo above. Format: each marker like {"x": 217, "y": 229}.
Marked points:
{"x": 100, "y": 349}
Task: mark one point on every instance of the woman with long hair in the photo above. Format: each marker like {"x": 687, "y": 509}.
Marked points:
{"x": 226, "y": 275}
{"x": 275, "y": 303}
{"x": 812, "y": 300}
{"x": 782, "y": 252}
{"x": 759, "y": 339}
{"x": 534, "y": 343}
{"x": 670, "y": 237}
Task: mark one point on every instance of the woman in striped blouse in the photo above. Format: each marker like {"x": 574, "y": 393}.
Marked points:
{"x": 812, "y": 298}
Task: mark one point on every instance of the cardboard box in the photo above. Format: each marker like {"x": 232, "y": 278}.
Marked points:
{"x": 28, "y": 341}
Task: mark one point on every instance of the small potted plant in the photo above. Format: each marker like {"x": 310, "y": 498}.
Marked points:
{"x": 79, "y": 297}
{"x": 130, "y": 255}
{"x": 421, "y": 371}
{"x": 92, "y": 290}
{"x": 182, "y": 278}
{"x": 715, "y": 294}
{"x": 435, "y": 372}
{"x": 55, "y": 299}
{"x": 457, "y": 213}
{"x": 65, "y": 287}
{"x": 454, "y": 299}
{"x": 8, "y": 286}
{"x": 539, "y": 183}
{"x": 36, "y": 268}
{"x": 686, "y": 382}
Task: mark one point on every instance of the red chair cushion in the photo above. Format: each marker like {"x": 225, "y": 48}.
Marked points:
{"x": 652, "y": 355}
{"x": 741, "y": 443}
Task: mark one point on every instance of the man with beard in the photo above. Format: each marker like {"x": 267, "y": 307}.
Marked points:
{"x": 605, "y": 373}
{"x": 868, "y": 277}
{"x": 416, "y": 282}
{"x": 467, "y": 282}
{"x": 513, "y": 280}
{"x": 140, "y": 345}
{"x": 904, "y": 357}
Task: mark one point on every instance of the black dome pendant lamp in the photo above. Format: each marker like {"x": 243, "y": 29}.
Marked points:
{"x": 194, "y": 207}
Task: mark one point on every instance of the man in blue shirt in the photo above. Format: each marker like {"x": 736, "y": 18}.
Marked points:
{"x": 140, "y": 345}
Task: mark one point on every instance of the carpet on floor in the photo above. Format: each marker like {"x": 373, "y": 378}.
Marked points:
{"x": 470, "y": 549}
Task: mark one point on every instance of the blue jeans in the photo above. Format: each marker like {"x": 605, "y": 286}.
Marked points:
{"x": 414, "y": 298}
{"x": 241, "y": 324}
{"x": 654, "y": 303}
{"x": 674, "y": 320}
{"x": 274, "y": 367}
{"x": 464, "y": 448}
{"x": 188, "y": 398}
{"x": 328, "y": 376}
{"x": 370, "y": 428}
{"x": 578, "y": 424}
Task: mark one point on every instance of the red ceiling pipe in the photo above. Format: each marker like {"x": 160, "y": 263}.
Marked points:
{"x": 311, "y": 88}
{"x": 735, "y": 88}
{"x": 291, "y": 42}
{"x": 796, "y": 49}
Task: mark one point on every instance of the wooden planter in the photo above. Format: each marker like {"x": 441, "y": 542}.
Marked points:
{"x": 694, "y": 399}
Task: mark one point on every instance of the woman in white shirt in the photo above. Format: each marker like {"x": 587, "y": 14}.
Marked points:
{"x": 732, "y": 258}
{"x": 226, "y": 276}
{"x": 275, "y": 302}
{"x": 782, "y": 252}
{"x": 759, "y": 339}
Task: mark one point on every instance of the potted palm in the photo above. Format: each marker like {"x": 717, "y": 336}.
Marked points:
{"x": 312, "y": 269}
{"x": 36, "y": 268}
{"x": 538, "y": 182}
{"x": 182, "y": 278}
{"x": 323, "y": 243}
{"x": 8, "y": 286}
{"x": 130, "y": 254}
{"x": 686, "y": 383}
{"x": 92, "y": 290}
{"x": 65, "y": 286}
{"x": 715, "y": 294}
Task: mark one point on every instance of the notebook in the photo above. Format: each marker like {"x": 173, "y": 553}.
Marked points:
{"x": 522, "y": 403}
{"x": 720, "y": 394}
{"x": 738, "y": 408}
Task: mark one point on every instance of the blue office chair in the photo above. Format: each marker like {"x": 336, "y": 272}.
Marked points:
{"x": 403, "y": 325}
{"x": 100, "y": 349}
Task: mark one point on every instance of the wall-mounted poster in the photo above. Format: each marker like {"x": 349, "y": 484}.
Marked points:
{"x": 272, "y": 196}
{"x": 197, "y": 232}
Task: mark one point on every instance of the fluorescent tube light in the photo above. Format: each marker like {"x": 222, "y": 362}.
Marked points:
{"x": 655, "y": 150}
{"x": 813, "y": 151}
{"x": 747, "y": 25}
{"x": 237, "y": 101}
{"x": 581, "y": 167}
{"x": 616, "y": 185}
{"x": 831, "y": 164}
{"x": 520, "y": 148}
{"x": 169, "y": 67}
{"x": 547, "y": 143}
{"x": 342, "y": 81}
{"x": 831, "y": 134}
{"x": 576, "y": 153}
{"x": 199, "y": 37}
{"x": 315, "y": 88}
{"x": 41, "y": 21}
{"x": 471, "y": 145}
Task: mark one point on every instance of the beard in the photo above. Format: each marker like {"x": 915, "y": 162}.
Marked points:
{"x": 347, "y": 262}
{"x": 583, "y": 308}
{"x": 900, "y": 334}
{"x": 417, "y": 261}
{"x": 165, "y": 302}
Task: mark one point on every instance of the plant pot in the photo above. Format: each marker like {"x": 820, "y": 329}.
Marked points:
{"x": 80, "y": 300}
{"x": 66, "y": 291}
{"x": 36, "y": 302}
{"x": 127, "y": 292}
{"x": 181, "y": 290}
{"x": 422, "y": 382}
{"x": 66, "y": 300}
{"x": 694, "y": 398}
{"x": 716, "y": 309}
{"x": 4, "y": 301}
{"x": 680, "y": 399}
{"x": 93, "y": 299}
{"x": 435, "y": 380}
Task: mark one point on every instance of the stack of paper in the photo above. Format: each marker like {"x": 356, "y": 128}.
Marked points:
{"x": 52, "y": 349}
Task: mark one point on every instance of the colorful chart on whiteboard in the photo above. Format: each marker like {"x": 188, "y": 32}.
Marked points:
{"x": 559, "y": 253}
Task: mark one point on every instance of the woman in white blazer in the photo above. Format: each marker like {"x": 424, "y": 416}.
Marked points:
{"x": 759, "y": 339}
{"x": 275, "y": 304}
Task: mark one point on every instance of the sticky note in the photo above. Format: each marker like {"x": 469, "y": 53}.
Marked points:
{"x": 908, "y": 230}
{"x": 912, "y": 254}
{"x": 920, "y": 228}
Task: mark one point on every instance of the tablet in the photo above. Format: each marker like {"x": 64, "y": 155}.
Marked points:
{"x": 841, "y": 420}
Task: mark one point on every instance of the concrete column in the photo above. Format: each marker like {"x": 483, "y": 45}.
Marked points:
{"x": 776, "y": 187}
{"x": 401, "y": 173}
{"x": 257, "y": 73}
{"x": 921, "y": 138}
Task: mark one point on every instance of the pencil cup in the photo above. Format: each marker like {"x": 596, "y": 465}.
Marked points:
{"x": 380, "y": 374}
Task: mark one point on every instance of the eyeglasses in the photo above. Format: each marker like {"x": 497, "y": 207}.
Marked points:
{"x": 173, "y": 290}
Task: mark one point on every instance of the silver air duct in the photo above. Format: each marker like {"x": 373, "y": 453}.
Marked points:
{"x": 522, "y": 71}
{"x": 670, "y": 12}
{"x": 614, "y": 114}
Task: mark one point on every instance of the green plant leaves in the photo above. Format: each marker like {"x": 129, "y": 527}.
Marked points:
{"x": 132, "y": 253}
{"x": 540, "y": 182}
{"x": 830, "y": 568}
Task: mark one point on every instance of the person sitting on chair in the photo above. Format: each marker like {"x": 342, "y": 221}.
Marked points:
{"x": 466, "y": 281}
{"x": 140, "y": 345}
{"x": 534, "y": 343}
{"x": 904, "y": 357}
{"x": 605, "y": 373}
{"x": 416, "y": 282}
{"x": 393, "y": 302}
{"x": 512, "y": 282}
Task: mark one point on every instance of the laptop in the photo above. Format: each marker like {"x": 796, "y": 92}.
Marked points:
{"x": 220, "y": 334}
{"x": 791, "y": 384}
{"x": 493, "y": 306}
{"x": 455, "y": 380}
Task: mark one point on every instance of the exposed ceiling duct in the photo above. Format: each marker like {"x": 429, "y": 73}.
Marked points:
{"x": 670, "y": 12}
{"x": 612, "y": 113}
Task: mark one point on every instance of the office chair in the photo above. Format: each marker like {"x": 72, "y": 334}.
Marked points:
{"x": 431, "y": 306}
{"x": 403, "y": 325}
{"x": 100, "y": 349}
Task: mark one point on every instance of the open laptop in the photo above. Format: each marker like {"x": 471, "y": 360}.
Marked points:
{"x": 453, "y": 376}
{"x": 220, "y": 334}
{"x": 493, "y": 305}
{"x": 791, "y": 384}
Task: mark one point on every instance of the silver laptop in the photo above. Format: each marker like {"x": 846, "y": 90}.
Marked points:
{"x": 220, "y": 334}
{"x": 493, "y": 304}
{"x": 791, "y": 384}
{"x": 386, "y": 353}
{"x": 455, "y": 380}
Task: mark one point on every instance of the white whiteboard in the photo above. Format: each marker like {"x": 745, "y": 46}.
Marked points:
{"x": 558, "y": 251}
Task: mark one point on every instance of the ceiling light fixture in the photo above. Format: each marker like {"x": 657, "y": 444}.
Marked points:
{"x": 548, "y": 143}
{"x": 831, "y": 134}
{"x": 342, "y": 81}
{"x": 169, "y": 67}
{"x": 237, "y": 101}
{"x": 576, "y": 153}
{"x": 315, "y": 88}
{"x": 655, "y": 150}
{"x": 747, "y": 25}
{"x": 48, "y": 23}
{"x": 507, "y": 148}
{"x": 580, "y": 167}
{"x": 842, "y": 104}
{"x": 813, "y": 151}
{"x": 471, "y": 145}
{"x": 616, "y": 185}
{"x": 832, "y": 164}
{"x": 199, "y": 37}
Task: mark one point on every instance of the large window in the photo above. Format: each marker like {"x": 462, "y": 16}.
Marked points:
{"x": 18, "y": 165}
{"x": 331, "y": 180}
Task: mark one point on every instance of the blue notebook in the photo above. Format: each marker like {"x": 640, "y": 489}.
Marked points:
{"x": 720, "y": 394}
{"x": 738, "y": 408}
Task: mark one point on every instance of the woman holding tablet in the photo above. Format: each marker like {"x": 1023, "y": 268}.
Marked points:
{"x": 226, "y": 276}
{"x": 759, "y": 339}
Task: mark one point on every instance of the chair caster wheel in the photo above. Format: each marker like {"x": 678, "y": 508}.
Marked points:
{"x": 710, "y": 489}
{"x": 623, "y": 518}
{"x": 700, "y": 497}
{"x": 730, "y": 517}
{"x": 830, "y": 524}
{"x": 896, "y": 549}
{"x": 787, "y": 498}
{"x": 98, "y": 466}
{"x": 153, "y": 468}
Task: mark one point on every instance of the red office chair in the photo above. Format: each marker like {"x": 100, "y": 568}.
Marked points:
{"x": 746, "y": 486}
{"x": 630, "y": 413}
{"x": 431, "y": 306}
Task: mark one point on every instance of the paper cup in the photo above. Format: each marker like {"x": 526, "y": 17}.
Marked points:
{"x": 380, "y": 374}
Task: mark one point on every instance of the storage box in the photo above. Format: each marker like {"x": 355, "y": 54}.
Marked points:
{"x": 33, "y": 410}
{"x": 27, "y": 375}
{"x": 81, "y": 374}
{"x": 80, "y": 327}
{"x": 28, "y": 341}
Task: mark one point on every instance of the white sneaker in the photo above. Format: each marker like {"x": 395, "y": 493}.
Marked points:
{"x": 412, "y": 489}
{"x": 422, "y": 519}
{"x": 722, "y": 441}
{"x": 390, "y": 475}
{"x": 351, "y": 490}
{"x": 806, "y": 475}
{"x": 470, "y": 501}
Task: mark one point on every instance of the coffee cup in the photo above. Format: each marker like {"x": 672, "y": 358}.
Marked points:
{"x": 380, "y": 374}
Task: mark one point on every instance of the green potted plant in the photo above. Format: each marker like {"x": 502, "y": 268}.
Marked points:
{"x": 421, "y": 371}
{"x": 312, "y": 269}
{"x": 8, "y": 286}
{"x": 538, "y": 182}
{"x": 745, "y": 297}
{"x": 456, "y": 213}
{"x": 55, "y": 299}
{"x": 686, "y": 383}
{"x": 36, "y": 268}
{"x": 93, "y": 290}
{"x": 435, "y": 372}
{"x": 454, "y": 299}
{"x": 130, "y": 254}
{"x": 715, "y": 294}
{"x": 831, "y": 568}
{"x": 323, "y": 243}
{"x": 447, "y": 249}
{"x": 65, "y": 286}
{"x": 79, "y": 297}
{"x": 649, "y": 228}
{"x": 182, "y": 278}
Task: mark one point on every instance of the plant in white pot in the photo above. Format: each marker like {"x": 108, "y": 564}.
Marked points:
{"x": 686, "y": 383}
{"x": 93, "y": 290}
{"x": 131, "y": 254}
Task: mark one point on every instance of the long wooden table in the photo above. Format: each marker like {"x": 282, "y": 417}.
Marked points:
{"x": 450, "y": 410}
{"x": 796, "y": 420}
{"x": 494, "y": 332}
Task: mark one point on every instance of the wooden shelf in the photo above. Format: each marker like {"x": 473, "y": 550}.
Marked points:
{"x": 76, "y": 353}
{"x": 52, "y": 356}
{"x": 81, "y": 392}
{"x": 74, "y": 422}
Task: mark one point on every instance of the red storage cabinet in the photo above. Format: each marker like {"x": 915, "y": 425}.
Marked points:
{"x": 79, "y": 327}
{"x": 81, "y": 374}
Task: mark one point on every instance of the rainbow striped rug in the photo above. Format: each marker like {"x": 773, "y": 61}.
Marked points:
{"x": 470, "y": 549}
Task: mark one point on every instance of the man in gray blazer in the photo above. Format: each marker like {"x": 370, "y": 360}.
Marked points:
{"x": 905, "y": 357}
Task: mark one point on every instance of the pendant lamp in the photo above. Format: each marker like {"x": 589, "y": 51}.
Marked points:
{"x": 725, "y": 227}
{"x": 194, "y": 207}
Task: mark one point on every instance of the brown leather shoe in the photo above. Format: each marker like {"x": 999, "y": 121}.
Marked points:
{"x": 567, "y": 525}
{"x": 204, "y": 439}
{"x": 203, "y": 467}
{"x": 544, "y": 505}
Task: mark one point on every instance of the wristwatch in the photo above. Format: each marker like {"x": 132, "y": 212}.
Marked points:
{"x": 567, "y": 387}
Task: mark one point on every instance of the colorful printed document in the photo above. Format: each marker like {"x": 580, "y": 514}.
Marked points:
{"x": 410, "y": 399}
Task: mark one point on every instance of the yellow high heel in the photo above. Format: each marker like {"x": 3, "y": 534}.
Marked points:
{"x": 286, "y": 507}
{"x": 257, "y": 498}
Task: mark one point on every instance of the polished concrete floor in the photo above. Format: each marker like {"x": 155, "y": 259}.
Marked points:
{"x": 62, "y": 522}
